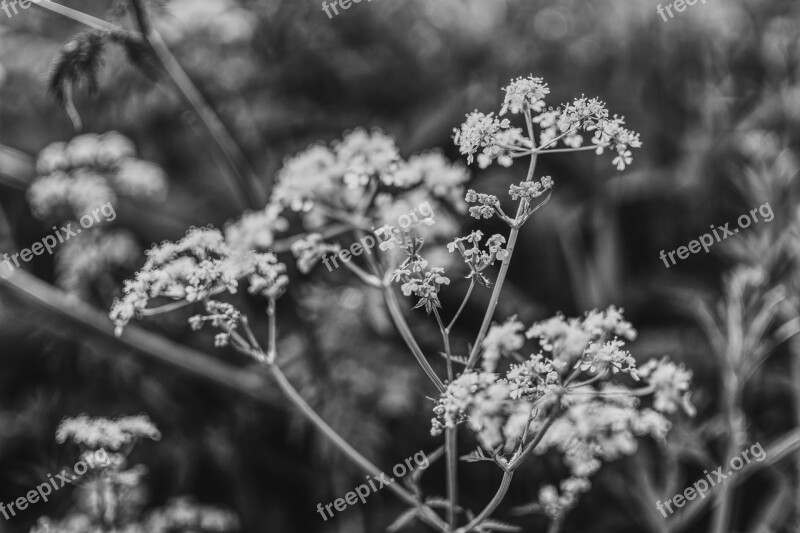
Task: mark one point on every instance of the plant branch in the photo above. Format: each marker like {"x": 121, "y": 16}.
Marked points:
{"x": 501, "y": 276}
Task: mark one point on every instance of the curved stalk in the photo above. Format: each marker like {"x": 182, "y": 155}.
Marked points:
{"x": 491, "y": 506}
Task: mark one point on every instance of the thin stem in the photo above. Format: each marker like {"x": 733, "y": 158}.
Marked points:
{"x": 216, "y": 128}
{"x": 492, "y": 505}
{"x": 446, "y": 341}
{"x": 272, "y": 351}
{"x": 451, "y": 456}
{"x": 329, "y": 433}
{"x": 295, "y": 398}
{"x": 451, "y": 435}
{"x": 566, "y": 150}
{"x": 363, "y": 275}
{"x": 449, "y": 327}
{"x": 400, "y": 322}
{"x": 78, "y": 16}
{"x": 501, "y": 276}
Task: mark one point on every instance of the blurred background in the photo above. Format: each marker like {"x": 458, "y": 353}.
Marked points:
{"x": 714, "y": 93}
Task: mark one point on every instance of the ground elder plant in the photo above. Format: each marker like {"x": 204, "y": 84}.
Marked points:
{"x": 564, "y": 384}
{"x": 113, "y": 497}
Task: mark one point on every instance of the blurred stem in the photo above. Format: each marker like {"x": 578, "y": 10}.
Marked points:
{"x": 78, "y": 16}
{"x": 449, "y": 327}
{"x": 400, "y": 322}
{"x": 329, "y": 433}
{"x": 508, "y": 474}
{"x": 732, "y": 385}
{"x": 512, "y": 241}
{"x": 95, "y": 323}
{"x": 245, "y": 184}
{"x": 295, "y": 398}
{"x": 450, "y": 436}
{"x": 492, "y": 505}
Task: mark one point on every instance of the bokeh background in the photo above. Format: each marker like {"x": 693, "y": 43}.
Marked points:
{"x": 714, "y": 93}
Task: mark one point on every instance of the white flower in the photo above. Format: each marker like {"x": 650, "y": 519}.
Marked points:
{"x": 140, "y": 179}
{"x": 256, "y": 230}
{"x": 105, "y": 433}
{"x": 499, "y": 340}
{"x": 528, "y": 91}
{"x": 671, "y": 383}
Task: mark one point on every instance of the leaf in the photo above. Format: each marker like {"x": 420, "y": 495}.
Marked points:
{"x": 78, "y": 61}
{"x": 403, "y": 520}
{"x": 475, "y": 457}
{"x": 139, "y": 53}
{"x": 460, "y": 359}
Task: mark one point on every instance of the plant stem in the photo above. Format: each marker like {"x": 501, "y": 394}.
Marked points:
{"x": 253, "y": 349}
{"x": 450, "y": 436}
{"x": 246, "y": 183}
{"x": 425, "y": 513}
{"x": 492, "y": 505}
{"x": 400, "y": 322}
{"x": 501, "y": 276}
{"x": 449, "y": 327}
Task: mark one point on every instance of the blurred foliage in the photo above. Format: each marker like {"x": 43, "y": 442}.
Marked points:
{"x": 282, "y": 75}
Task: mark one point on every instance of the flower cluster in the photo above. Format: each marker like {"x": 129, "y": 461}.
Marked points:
{"x": 525, "y": 93}
{"x": 183, "y": 514}
{"x": 567, "y": 339}
{"x": 484, "y": 402}
{"x": 196, "y": 267}
{"x": 255, "y": 230}
{"x": 340, "y": 175}
{"x": 596, "y": 425}
{"x": 543, "y": 397}
{"x": 222, "y": 316}
{"x": 79, "y": 264}
{"x": 488, "y": 204}
{"x": 309, "y": 249}
{"x": 529, "y": 190}
{"x": 477, "y": 259}
{"x": 421, "y": 280}
{"x": 492, "y": 138}
{"x": 501, "y": 340}
{"x": 671, "y": 383}
{"x": 97, "y": 433}
{"x": 89, "y": 171}
{"x": 114, "y": 497}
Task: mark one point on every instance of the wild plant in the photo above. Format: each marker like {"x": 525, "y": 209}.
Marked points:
{"x": 113, "y": 496}
{"x": 575, "y": 390}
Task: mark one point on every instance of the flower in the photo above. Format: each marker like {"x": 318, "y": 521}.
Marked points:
{"x": 481, "y": 131}
{"x": 196, "y": 267}
{"x": 309, "y": 249}
{"x": 255, "y": 230}
{"x": 501, "y": 339}
{"x": 81, "y": 263}
{"x": 524, "y": 92}
{"x": 140, "y": 179}
{"x": 105, "y": 433}
{"x": 671, "y": 383}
